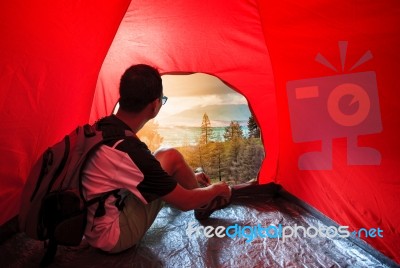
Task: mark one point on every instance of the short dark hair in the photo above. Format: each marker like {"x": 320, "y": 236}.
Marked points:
{"x": 139, "y": 85}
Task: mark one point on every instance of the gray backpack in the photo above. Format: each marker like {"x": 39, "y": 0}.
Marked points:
{"x": 53, "y": 208}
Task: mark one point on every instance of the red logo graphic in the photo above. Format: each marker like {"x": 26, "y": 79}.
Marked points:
{"x": 344, "y": 105}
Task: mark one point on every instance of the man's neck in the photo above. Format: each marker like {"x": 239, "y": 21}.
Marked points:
{"x": 134, "y": 120}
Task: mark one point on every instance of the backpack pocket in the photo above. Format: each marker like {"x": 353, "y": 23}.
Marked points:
{"x": 63, "y": 218}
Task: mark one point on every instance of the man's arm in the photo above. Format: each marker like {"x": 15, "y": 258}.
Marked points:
{"x": 185, "y": 200}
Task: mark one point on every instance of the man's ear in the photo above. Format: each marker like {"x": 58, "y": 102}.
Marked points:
{"x": 154, "y": 104}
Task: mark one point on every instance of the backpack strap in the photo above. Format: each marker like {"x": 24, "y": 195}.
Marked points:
{"x": 110, "y": 131}
{"x": 101, "y": 211}
{"x": 50, "y": 253}
{"x": 117, "y": 143}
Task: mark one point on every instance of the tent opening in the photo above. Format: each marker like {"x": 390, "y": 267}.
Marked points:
{"x": 210, "y": 124}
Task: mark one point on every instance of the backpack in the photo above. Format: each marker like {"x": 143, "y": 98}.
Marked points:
{"x": 53, "y": 208}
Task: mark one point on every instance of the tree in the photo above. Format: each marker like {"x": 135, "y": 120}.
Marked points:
{"x": 220, "y": 151}
{"x": 233, "y": 139}
{"x": 254, "y": 130}
{"x": 250, "y": 159}
{"x": 210, "y": 164}
{"x": 206, "y": 130}
{"x": 233, "y": 131}
{"x": 191, "y": 155}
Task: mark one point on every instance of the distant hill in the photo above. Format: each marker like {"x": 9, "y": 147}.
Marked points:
{"x": 219, "y": 115}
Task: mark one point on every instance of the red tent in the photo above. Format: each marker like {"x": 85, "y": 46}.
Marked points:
{"x": 320, "y": 77}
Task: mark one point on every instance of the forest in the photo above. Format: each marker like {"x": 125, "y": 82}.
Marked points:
{"x": 235, "y": 158}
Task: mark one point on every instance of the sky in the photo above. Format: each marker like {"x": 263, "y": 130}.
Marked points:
{"x": 190, "y": 96}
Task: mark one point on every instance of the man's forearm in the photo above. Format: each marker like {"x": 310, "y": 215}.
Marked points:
{"x": 202, "y": 196}
{"x": 185, "y": 199}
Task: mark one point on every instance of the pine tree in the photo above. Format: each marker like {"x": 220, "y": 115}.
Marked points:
{"x": 206, "y": 130}
{"x": 210, "y": 159}
{"x": 254, "y": 130}
{"x": 219, "y": 159}
{"x": 233, "y": 131}
{"x": 250, "y": 159}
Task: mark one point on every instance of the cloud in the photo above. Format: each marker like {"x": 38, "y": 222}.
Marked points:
{"x": 177, "y": 104}
{"x": 219, "y": 115}
{"x": 190, "y": 96}
{"x": 194, "y": 85}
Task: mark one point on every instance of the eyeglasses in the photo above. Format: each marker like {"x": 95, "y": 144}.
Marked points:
{"x": 164, "y": 99}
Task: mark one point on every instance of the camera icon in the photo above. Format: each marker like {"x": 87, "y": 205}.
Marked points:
{"x": 325, "y": 108}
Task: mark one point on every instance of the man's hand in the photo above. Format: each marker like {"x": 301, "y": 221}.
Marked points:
{"x": 202, "y": 179}
{"x": 223, "y": 189}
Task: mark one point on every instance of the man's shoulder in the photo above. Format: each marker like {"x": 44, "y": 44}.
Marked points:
{"x": 111, "y": 121}
{"x": 132, "y": 144}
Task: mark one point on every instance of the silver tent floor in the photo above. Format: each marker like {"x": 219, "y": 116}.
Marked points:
{"x": 167, "y": 244}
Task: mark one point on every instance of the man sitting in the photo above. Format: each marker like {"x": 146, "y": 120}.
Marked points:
{"x": 146, "y": 180}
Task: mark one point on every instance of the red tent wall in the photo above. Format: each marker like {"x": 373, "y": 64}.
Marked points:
{"x": 357, "y": 192}
{"x": 51, "y": 53}
{"x": 188, "y": 36}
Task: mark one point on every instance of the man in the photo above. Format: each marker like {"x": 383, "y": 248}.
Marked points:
{"x": 145, "y": 180}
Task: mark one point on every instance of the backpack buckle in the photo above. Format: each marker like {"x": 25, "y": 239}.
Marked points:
{"x": 89, "y": 130}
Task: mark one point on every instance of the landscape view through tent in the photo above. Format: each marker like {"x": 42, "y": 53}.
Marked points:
{"x": 211, "y": 125}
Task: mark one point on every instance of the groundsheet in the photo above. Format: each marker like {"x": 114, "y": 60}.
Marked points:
{"x": 167, "y": 243}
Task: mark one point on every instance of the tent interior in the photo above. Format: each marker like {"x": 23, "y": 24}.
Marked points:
{"x": 321, "y": 79}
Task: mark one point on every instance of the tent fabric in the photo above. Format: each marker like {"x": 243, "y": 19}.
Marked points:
{"x": 285, "y": 57}
{"x": 51, "y": 54}
{"x": 361, "y": 194}
{"x": 178, "y": 39}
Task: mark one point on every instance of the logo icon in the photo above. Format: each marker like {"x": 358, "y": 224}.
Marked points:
{"x": 338, "y": 106}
